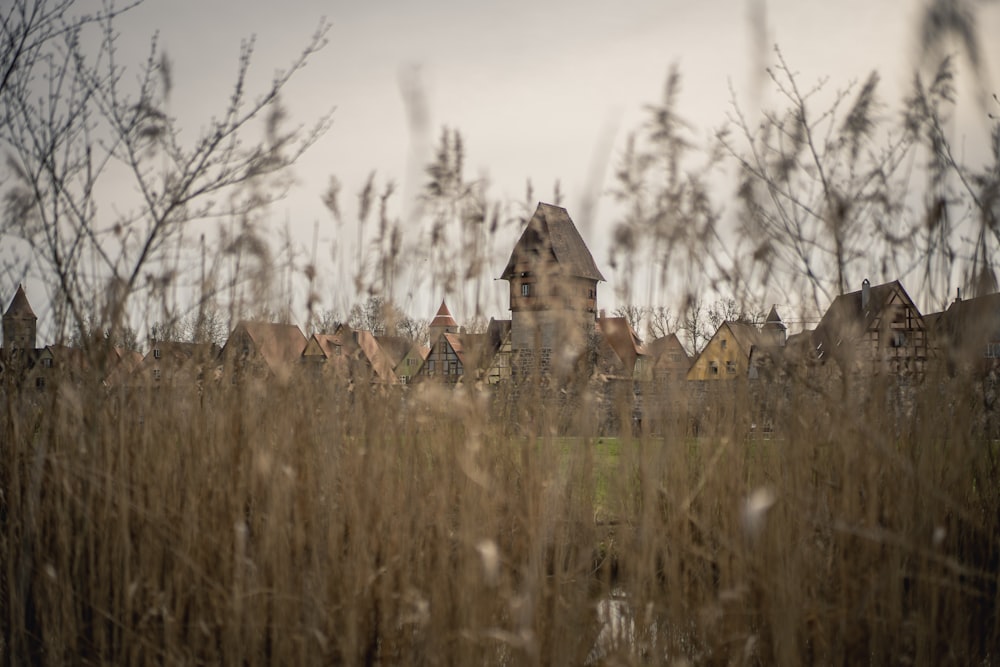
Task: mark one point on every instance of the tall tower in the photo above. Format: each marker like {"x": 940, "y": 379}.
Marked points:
{"x": 553, "y": 291}
{"x": 19, "y": 324}
{"x": 442, "y": 323}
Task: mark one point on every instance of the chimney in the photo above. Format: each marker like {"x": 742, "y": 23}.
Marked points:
{"x": 958, "y": 294}
{"x": 866, "y": 294}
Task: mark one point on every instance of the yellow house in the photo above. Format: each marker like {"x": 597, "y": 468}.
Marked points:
{"x": 727, "y": 354}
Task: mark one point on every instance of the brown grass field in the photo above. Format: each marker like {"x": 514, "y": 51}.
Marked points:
{"x": 304, "y": 527}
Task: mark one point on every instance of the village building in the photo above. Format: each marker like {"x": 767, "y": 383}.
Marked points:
{"x": 457, "y": 356}
{"x": 175, "y": 365}
{"x": 262, "y": 351}
{"x": 553, "y": 295}
{"x": 619, "y": 354}
{"x": 410, "y": 364}
{"x": 666, "y": 361}
{"x": 368, "y": 362}
{"x": 726, "y": 356}
{"x": 876, "y": 330}
{"x": 20, "y": 325}
{"x": 967, "y": 335}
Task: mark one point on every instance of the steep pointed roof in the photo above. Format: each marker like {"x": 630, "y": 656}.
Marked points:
{"x": 19, "y": 306}
{"x": 773, "y": 318}
{"x": 848, "y": 317}
{"x": 551, "y": 229}
{"x": 443, "y": 317}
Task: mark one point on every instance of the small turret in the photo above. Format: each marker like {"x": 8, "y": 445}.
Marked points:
{"x": 19, "y": 324}
{"x": 774, "y": 331}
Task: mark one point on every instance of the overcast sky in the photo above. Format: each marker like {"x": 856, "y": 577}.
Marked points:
{"x": 539, "y": 90}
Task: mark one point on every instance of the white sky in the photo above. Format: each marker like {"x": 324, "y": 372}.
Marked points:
{"x": 534, "y": 87}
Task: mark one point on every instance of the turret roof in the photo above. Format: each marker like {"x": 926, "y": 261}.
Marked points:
{"x": 19, "y": 306}
{"x": 443, "y": 317}
{"x": 552, "y": 228}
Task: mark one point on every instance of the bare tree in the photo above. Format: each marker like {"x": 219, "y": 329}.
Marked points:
{"x": 693, "y": 325}
{"x": 728, "y": 309}
{"x": 822, "y": 188}
{"x": 66, "y": 139}
{"x": 661, "y": 321}
{"x": 633, "y": 314}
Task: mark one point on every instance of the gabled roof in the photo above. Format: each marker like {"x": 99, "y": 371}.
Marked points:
{"x": 326, "y": 343}
{"x": 967, "y": 326}
{"x": 443, "y": 318}
{"x": 551, "y": 229}
{"x": 974, "y": 318}
{"x": 659, "y": 350}
{"x": 395, "y": 347}
{"x": 19, "y": 306}
{"x": 773, "y": 320}
{"x": 376, "y": 357}
{"x": 457, "y": 345}
{"x": 846, "y": 319}
{"x": 746, "y": 334}
{"x": 621, "y": 339}
{"x": 279, "y": 345}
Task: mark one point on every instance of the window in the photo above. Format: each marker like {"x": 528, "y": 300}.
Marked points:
{"x": 525, "y": 289}
{"x": 409, "y": 361}
{"x": 430, "y": 367}
{"x": 898, "y": 339}
{"x": 730, "y": 366}
{"x": 47, "y": 362}
{"x": 156, "y": 373}
{"x": 156, "y": 353}
{"x": 993, "y": 350}
{"x": 723, "y": 343}
{"x": 713, "y": 368}
{"x": 40, "y": 384}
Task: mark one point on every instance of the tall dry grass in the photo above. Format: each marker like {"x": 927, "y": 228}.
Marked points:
{"x": 301, "y": 526}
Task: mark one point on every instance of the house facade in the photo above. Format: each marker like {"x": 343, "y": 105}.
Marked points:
{"x": 876, "y": 330}
{"x": 553, "y": 293}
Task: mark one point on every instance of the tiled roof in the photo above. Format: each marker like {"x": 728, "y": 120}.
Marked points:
{"x": 621, "y": 339}
{"x": 846, "y": 320}
{"x": 967, "y": 325}
{"x": 380, "y": 362}
{"x": 19, "y": 306}
{"x": 443, "y": 317}
{"x": 280, "y": 345}
{"x": 552, "y": 228}
{"x": 746, "y": 335}
{"x": 328, "y": 343}
{"x": 395, "y": 347}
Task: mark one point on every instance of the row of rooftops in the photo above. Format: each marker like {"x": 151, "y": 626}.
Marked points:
{"x": 551, "y": 245}
{"x": 281, "y": 348}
